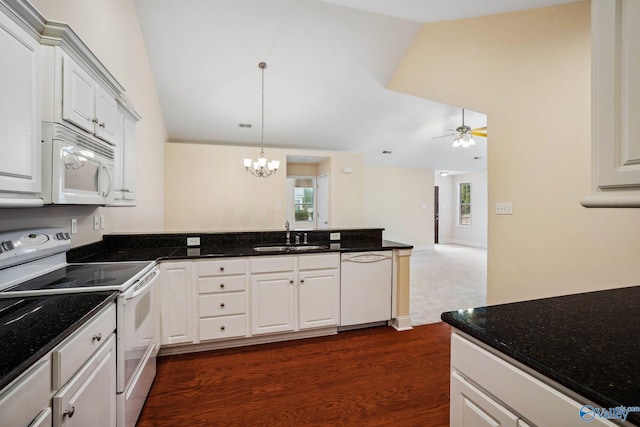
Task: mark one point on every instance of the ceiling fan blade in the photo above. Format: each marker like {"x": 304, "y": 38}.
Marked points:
{"x": 443, "y": 136}
{"x": 482, "y": 134}
{"x": 482, "y": 128}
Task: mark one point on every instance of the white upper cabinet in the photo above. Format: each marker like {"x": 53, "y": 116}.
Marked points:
{"x": 19, "y": 114}
{"x": 125, "y": 161}
{"x": 615, "y": 104}
{"x": 86, "y": 104}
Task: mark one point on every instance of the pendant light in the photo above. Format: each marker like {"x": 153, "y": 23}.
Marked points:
{"x": 262, "y": 167}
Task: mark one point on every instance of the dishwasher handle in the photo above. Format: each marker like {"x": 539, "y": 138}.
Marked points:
{"x": 366, "y": 258}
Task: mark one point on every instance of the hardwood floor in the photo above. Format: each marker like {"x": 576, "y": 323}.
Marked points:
{"x": 368, "y": 377}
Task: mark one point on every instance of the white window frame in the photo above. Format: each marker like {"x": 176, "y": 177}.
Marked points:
{"x": 291, "y": 204}
{"x": 459, "y": 205}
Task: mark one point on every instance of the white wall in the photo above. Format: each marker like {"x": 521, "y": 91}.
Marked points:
{"x": 531, "y": 76}
{"x": 400, "y": 200}
{"x": 476, "y": 233}
{"x": 446, "y": 207}
{"x": 111, "y": 30}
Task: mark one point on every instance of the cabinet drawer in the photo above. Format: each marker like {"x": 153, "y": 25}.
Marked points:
{"x": 500, "y": 378}
{"x": 222, "y": 304}
{"x": 209, "y": 285}
{"x": 223, "y": 327}
{"x": 22, "y": 400}
{"x": 321, "y": 261}
{"x": 222, "y": 267}
{"x": 272, "y": 264}
{"x": 69, "y": 357}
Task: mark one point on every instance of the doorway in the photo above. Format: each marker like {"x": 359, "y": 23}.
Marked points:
{"x": 436, "y": 214}
{"x": 322, "y": 198}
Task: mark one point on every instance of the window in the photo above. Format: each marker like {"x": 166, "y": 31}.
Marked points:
{"x": 304, "y": 200}
{"x": 464, "y": 203}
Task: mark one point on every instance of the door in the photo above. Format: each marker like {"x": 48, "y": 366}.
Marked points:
{"x": 176, "y": 302}
{"x": 318, "y": 298}
{"x": 322, "y": 208}
{"x": 19, "y": 111}
{"x": 272, "y": 302}
{"x": 436, "y": 213}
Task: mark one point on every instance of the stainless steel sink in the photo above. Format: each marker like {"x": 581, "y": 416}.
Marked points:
{"x": 270, "y": 248}
{"x": 298, "y": 248}
{"x": 307, "y": 247}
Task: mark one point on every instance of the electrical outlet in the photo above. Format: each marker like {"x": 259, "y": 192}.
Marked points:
{"x": 102, "y": 222}
{"x": 96, "y": 222}
{"x": 334, "y": 236}
{"x": 74, "y": 226}
{"x": 193, "y": 241}
{"x": 504, "y": 208}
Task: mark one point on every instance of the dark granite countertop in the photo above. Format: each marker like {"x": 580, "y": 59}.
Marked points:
{"x": 30, "y": 327}
{"x": 105, "y": 252}
{"x": 589, "y": 342}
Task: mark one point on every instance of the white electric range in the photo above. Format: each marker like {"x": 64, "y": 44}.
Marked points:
{"x": 33, "y": 263}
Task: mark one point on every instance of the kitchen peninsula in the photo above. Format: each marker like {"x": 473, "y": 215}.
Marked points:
{"x": 559, "y": 353}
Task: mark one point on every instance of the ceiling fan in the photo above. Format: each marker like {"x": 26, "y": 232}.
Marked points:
{"x": 464, "y": 135}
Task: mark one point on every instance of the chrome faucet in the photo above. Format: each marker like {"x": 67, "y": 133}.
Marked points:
{"x": 298, "y": 239}
{"x": 305, "y": 239}
{"x": 288, "y": 234}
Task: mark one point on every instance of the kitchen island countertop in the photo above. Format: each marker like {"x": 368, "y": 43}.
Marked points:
{"x": 589, "y": 342}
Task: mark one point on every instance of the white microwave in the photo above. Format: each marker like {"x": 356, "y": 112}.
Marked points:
{"x": 76, "y": 169}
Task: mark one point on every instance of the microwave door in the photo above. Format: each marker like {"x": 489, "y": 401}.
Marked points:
{"x": 77, "y": 176}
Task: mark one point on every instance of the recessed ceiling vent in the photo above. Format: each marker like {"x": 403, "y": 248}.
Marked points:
{"x": 244, "y": 125}
{"x": 386, "y": 152}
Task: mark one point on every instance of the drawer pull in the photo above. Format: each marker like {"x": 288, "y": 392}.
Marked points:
{"x": 222, "y": 328}
{"x": 221, "y": 285}
{"x": 97, "y": 337}
{"x": 69, "y": 412}
{"x": 221, "y": 268}
{"x": 221, "y": 305}
{"x": 291, "y": 281}
{"x": 301, "y": 280}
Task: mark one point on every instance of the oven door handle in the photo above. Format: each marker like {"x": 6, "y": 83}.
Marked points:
{"x": 147, "y": 281}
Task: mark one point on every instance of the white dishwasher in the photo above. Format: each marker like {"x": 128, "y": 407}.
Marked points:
{"x": 365, "y": 287}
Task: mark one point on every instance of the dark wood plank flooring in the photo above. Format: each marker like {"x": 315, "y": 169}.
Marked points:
{"x": 368, "y": 377}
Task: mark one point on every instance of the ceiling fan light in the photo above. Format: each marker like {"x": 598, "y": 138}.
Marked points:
{"x": 456, "y": 143}
{"x": 472, "y": 141}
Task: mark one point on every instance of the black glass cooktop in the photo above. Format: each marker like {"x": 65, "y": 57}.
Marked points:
{"x": 99, "y": 275}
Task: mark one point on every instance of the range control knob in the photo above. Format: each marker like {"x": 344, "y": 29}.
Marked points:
{"x": 8, "y": 245}
{"x": 60, "y": 236}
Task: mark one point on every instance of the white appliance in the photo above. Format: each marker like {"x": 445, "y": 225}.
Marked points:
{"x": 76, "y": 168}
{"x": 365, "y": 288}
{"x": 33, "y": 262}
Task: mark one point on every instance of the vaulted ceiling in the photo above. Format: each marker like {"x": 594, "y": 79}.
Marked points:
{"x": 329, "y": 63}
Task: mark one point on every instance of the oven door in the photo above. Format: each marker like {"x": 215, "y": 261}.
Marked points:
{"x": 80, "y": 176}
{"x": 137, "y": 328}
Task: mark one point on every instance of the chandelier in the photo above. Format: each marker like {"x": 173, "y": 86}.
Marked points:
{"x": 262, "y": 167}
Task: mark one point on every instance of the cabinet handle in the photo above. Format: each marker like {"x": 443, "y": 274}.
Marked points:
{"x": 221, "y": 305}
{"x": 221, "y": 268}
{"x": 222, "y": 328}
{"x": 291, "y": 281}
{"x": 97, "y": 337}
{"x": 101, "y": 125}
{"x": 221, "y": 285}
{"x": 301, "y": 280}
{"x": 69, "y": 412}
{"x": 94, "y": 120}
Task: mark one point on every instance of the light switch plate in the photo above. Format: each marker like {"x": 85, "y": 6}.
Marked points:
{"x": 193, "y": 241}
{"x": 102, "y": 222}
{"x": 504, "y": 208}
{"x": 74, "y": 226}
{"x": 334, "y": 236}
{"x": 96, "y": 222}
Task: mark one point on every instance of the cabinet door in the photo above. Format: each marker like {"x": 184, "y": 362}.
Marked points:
{"x": 472, "y": 407}
{"x": 78, "y": 95}
{"x": 318, "y": 298}
{"x": 19, "y": 112}
{"x": 44, "y": 419}
{"x": 176, "y": 302}
{"x": 129, "y": 164}
{"x": 89, "y": 399}
{"x": 118, "y": 168}
{"x": 108, "y": 127}
{"x": 272, "y": 303}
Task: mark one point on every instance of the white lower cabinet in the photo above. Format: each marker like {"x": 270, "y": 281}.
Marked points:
{"x": 89, "y": 399}
{"x": 24, "y": 401}
{"x": 177, "y": 313}
{"x": 291, "y": 293}
{"x": 487, "y": 389}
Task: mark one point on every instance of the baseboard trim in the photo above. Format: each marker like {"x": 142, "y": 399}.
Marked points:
{"x": 244, "y": 341}
{"x": 466, "y": 243}
{"x": 402, "y": 323}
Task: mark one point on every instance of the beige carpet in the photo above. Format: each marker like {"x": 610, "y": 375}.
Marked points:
{"x": 450, "y": 277}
